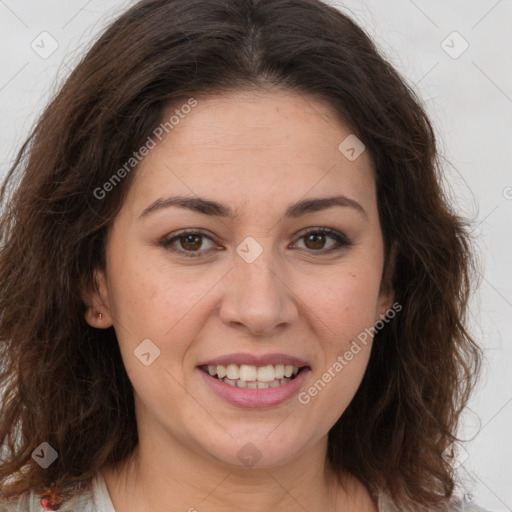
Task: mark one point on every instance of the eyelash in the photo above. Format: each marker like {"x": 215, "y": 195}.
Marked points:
{"x": 342, "y": 241}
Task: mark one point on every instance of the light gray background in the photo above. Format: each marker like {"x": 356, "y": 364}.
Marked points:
{"x": 470, "y": 101}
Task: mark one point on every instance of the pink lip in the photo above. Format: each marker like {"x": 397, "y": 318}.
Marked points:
{"x": 244, "y": 397}
{"x": 262, "y": 360}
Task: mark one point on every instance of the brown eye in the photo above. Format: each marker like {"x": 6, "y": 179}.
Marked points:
{"x": 190, "y": 242}
{"x": 316, "y": 239}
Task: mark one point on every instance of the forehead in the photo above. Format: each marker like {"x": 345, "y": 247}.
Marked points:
{"x": 250, "y": 147}
{"x": 256, "y": 121}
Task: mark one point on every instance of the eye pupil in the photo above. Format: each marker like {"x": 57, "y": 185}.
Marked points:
{"x": 190, "y": 239}
{"x": 318, "y": 240}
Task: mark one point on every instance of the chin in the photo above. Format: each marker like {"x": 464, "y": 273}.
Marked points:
{"x": 252, "y": 447}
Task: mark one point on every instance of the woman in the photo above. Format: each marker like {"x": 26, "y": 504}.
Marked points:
{"x": 229, "y": 276}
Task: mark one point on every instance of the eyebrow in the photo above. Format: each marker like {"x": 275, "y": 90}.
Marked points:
{"x": 215, "y": 209}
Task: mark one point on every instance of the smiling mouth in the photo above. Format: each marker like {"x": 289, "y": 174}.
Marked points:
{"x": 253, "y": 377}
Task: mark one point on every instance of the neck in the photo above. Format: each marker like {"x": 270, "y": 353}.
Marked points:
{"x": 151, "y": 479}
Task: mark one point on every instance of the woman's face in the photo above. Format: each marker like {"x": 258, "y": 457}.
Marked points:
{"x": 247, "y": 286}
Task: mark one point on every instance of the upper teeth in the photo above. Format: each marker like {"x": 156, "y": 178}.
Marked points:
{"x": 247, "y": 372}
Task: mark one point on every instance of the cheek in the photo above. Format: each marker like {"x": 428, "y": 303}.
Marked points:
{"x": 153, "y": 299}
{"x": 168, "y": 306}
{"x": 344, "y": 302}
{"x": 344, "y": 314}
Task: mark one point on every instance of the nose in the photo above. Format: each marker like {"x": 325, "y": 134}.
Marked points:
{"x": 258, "y": 300}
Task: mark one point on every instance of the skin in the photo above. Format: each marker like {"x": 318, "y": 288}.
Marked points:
{"x": 257, "y": 153}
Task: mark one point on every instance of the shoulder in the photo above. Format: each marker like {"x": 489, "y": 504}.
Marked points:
{"x": 24, "y": 503}
{"x": 93, "y": 497}
{"x": 469, "y": 507}
{"x": 462, "y": 506}
{"x": 31, "y": 502}
{"x": 385, "y": 504}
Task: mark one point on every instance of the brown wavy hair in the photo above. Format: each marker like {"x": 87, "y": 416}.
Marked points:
{"x": 63, "y": 382}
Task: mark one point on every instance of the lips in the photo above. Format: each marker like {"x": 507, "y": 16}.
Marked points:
{"x": 263, "y": 395}
{"x": 260, "y": 380}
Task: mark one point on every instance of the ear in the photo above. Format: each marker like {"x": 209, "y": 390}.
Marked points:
{"x": 97, "y": 300}
{"x": 387, "y": 293}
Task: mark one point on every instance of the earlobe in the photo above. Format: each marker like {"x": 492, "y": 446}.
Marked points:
{"x": 96, "y": 298}
{"x": 96, "y": 318}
